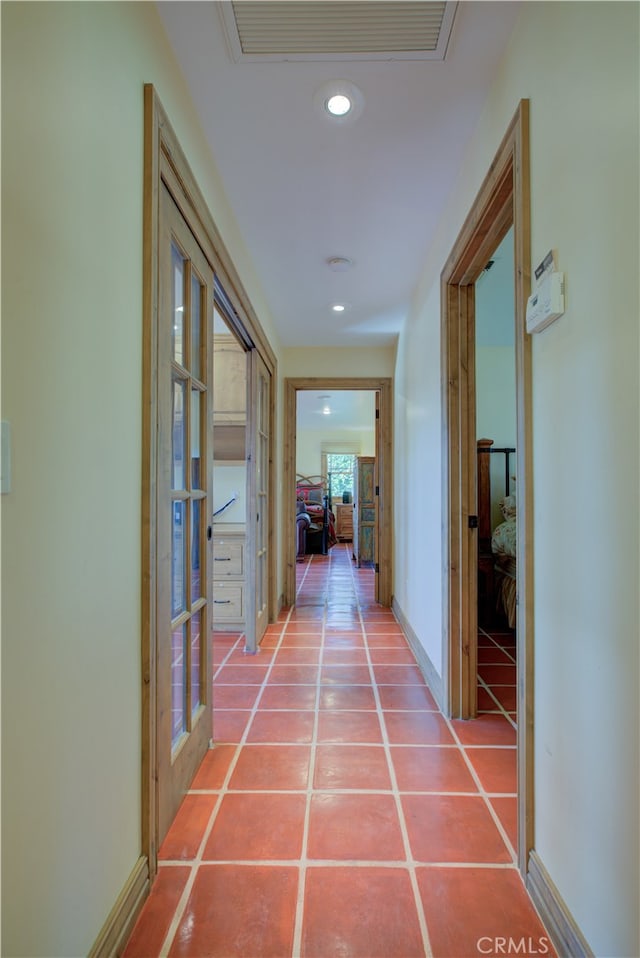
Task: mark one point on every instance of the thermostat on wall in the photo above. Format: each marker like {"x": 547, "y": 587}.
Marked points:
{"x": 546, "y": 303}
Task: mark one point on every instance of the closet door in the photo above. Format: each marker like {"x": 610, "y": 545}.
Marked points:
{"x": 184, "y": 505}
{"x": 364, "y": 531}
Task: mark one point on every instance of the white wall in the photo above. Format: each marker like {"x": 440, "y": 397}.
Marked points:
{"x": 309, "y": 446}
{"x": 584, "y": 180}
{"x": 341, "y": 361}
{"x": 229, "y": 481}
{"x": 72, "y": 175}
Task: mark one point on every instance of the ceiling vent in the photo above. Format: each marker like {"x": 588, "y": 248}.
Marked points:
{"x": 335, "y": 30}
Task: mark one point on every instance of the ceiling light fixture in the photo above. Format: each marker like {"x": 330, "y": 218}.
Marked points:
{"x": 338, "y": 308}
{"x": 339, "y": 101}
{"x": 338, "y": 104}
{"x": 339, "y": 264}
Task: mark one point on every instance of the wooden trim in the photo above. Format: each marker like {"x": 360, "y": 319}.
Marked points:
{"x": 503, "y": 199}
{"x": 384, "y": 454}
{"x": 122, "y": 917}
{"x": 165, "y": 162}
{"x": 431, "y": 676}
{"x": 558, "y": 920}
{"x": 151, "y": 221}
{"x": 182, "y": 184}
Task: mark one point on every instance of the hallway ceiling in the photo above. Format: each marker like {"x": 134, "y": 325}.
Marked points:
{"x": 306, "y": 188}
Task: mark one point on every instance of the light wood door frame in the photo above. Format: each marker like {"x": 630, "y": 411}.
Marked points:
{"x": 259, "y": 544}
{"x": 165, "y": 163}
{"x": 384, "y": 456}
{"x": 180, "y": 753}
{"x": 503, "y": 200}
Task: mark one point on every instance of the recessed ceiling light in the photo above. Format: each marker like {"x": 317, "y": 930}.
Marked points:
{"x": 338, "y": 104}
{"x": 339, "y": 101}
{"x": 326, "y": 411}
{"x": 338, "y": 308}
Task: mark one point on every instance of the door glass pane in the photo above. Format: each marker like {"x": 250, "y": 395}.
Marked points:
{"x": 196, "y": 545}
{"x": 196, "y": 399}
{"x": 178, "y": 478}
{"x": 196, "y": 319}
{"x": 178, "y": 544}
{"x": 178, "y": 684}
{"x": 195, "y": 661}
{"x": 177, "y": 332}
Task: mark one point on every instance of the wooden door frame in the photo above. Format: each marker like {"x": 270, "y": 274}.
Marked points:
{"x": 503, "y": 200}
{"x": 165, "y": 162}
{"x": 384, "y": 454}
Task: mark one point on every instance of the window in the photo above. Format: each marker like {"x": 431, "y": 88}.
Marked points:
{"x": 340, "y": 468}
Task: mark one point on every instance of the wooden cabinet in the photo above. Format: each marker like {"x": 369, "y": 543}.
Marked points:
{"x": 229, "y": 381}
{"x": 364, "y": 510}
{"x": 229, "y": 399}
{"x": 344, "y": 521}
{"x": 228, "y": 578}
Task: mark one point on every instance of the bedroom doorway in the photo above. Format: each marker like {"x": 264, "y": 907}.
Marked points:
{"x": 496, "y": 430}
{"x": 501, "y": 204}
{"x": 381, "y": 484}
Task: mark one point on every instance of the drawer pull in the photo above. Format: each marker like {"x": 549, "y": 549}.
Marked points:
{"x": 222, "y": 558}
{"x": 222, "y": 601}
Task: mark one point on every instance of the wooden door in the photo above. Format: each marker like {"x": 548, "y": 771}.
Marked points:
{"x": 365, "y": 511}
{"x": 259, "y": 496}
{"x": 184, "y": 498}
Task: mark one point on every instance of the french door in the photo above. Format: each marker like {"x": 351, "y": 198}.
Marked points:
{"x": 184, "y": 498}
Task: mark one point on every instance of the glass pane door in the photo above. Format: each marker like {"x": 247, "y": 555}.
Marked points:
{"x": 184, "y": 499}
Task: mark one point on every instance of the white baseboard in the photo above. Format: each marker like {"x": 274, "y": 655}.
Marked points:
{"x": 558, "y": 920}
{"x": 426, "y": 666}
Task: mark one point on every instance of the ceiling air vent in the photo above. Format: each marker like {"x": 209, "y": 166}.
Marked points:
{"x": 335, "y": 30}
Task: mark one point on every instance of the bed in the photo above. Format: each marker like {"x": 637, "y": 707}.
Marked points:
{"x": 317, "y": 533}
{"x": 496, "y": 539}
{"x": 503, "y": 546}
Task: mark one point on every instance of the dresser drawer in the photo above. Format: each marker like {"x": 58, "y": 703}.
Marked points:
{"x": 228, "y": 557}
{"x": 228, "y": 601}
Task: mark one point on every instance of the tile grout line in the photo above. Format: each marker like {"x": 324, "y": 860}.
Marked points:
{"x": 484, "y": 794}
{"x": 501, "y": 708}
{"x": 197, "y": 860}
{"x": 409, "y": 863}
{"x": 303, "y": 861}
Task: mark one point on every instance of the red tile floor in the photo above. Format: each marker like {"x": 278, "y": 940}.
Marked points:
{"x": 340, "y": 814}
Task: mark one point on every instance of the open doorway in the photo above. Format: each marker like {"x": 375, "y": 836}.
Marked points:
{"x": 496, "y": 428}
{"x": 230, "y": 482}
{"x": 336, "y": 467}
{"x": 380, "y": 504}
{"x": 501, "y": 204}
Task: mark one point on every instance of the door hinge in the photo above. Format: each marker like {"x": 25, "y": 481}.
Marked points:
{"x": 377, "y": 490}
{"x": 377, "y": 413}
{"x": 473, "y": 522}
{"x": 377, "y": 569}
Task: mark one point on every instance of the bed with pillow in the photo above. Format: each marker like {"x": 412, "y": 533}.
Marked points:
{"x": 503, "y": 546}
{"x": 312, "y": 500}
{"x": 496, "y": 540}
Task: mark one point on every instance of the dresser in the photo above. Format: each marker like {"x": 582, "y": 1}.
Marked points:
{"x": 228, "y": 576}
{"x": 344, "y": 521}
{"x": 364, "y": 510}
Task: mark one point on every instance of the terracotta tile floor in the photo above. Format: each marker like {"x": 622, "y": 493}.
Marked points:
{"x": 341, "y": 814}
